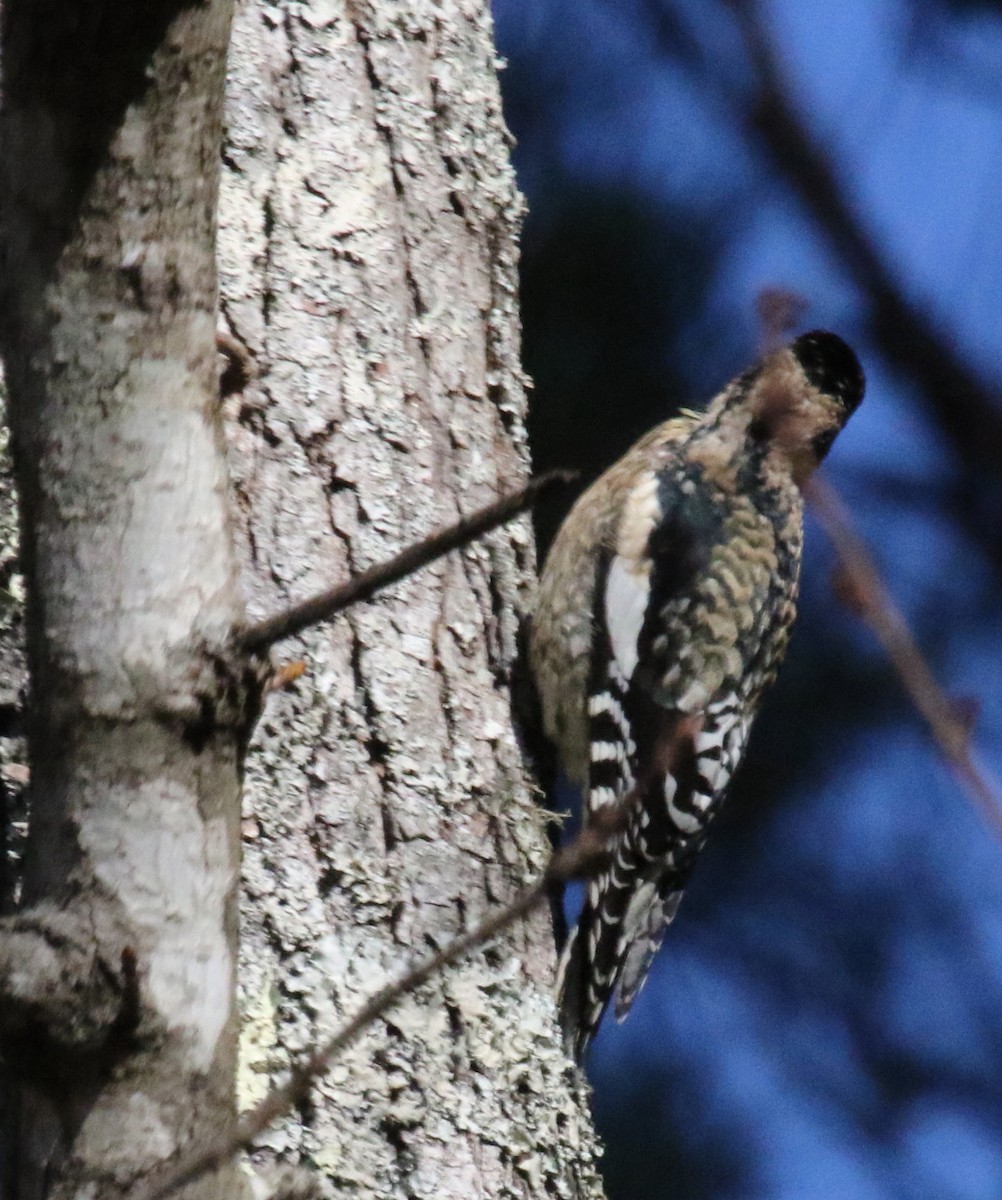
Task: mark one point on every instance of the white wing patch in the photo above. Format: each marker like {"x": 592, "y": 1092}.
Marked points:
{"x": 626, "y": 591}
{"x": 628, "y": 583}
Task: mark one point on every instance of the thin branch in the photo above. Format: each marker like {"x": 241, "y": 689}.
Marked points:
{"x": 240, "y": 367}
{"x": 779, "y": 311}
{"x": 967, "y": 410}
{"x": 304, "y": 1074}
{"x": 966, "y": 407}
{"x": 864, "y": 591}
{"x": 588, "y": 854}
{"x": 579, "y": 860}
{"x": 321, "y": 607}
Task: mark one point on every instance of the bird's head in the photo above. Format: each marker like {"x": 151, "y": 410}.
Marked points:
{"x": 798, "y": 398}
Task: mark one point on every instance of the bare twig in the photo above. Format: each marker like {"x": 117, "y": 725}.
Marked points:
{"x": 240, "y": 367}
{"x": 581, "y": 859}
{"x": 864, "y": 591}
{"x": 303, "y": 1075}
{"x": 779, "y": 311}
{"x": 904, "y": 331}
{"x": 323, "y": 606}
{"x": 965, "y": 406}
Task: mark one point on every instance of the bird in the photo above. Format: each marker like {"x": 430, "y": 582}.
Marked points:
{"x": 663, "y": 612}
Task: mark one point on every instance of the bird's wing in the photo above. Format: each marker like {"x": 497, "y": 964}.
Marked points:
{"x": 642, "y": 746}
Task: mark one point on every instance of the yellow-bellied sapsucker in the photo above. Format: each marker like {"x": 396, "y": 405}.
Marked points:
{"x": 666, "y": 603}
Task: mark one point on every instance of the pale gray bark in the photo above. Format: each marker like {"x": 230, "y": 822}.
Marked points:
{"x": 368, "y": 258}
{"x": 117, "y": 973}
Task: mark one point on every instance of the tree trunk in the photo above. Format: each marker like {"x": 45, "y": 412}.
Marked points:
{"x": 368, "y": 258}
{"x": 118, "y": 973}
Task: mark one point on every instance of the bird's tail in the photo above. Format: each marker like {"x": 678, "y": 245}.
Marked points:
{"x": 609, "y": 954}
{"x": 576, "y": 1005}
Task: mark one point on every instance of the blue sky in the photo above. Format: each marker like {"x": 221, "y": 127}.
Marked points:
{"x": 825, "y": 1018}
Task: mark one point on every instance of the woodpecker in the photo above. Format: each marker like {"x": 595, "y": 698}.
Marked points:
{"x": 663, "y": 613}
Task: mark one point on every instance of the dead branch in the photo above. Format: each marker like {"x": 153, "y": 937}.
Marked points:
{"x": 298, "y": 617}
{"x": 779, "y": 311}
{"x": 863, "y": 590}
{"x": 240, "y": 367}
{"x": 579, "y": 860}
{"x": 906, "y": 334}
{"x": 303, "y": 1075}
{"x": 582, "y": 859}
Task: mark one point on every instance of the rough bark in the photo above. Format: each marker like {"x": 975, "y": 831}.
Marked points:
{"x": 13, "y": 683}
{"x": 118, "y": 970}
{"x": 368, "y": 259}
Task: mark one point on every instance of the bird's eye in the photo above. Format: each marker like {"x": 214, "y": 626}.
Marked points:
{"x": 758, "y": 430}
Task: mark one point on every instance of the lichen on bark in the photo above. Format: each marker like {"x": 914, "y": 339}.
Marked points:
{"x": 369, "y": 260}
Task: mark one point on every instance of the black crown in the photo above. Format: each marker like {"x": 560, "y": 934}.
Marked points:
{"x": 831, "y": 366}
